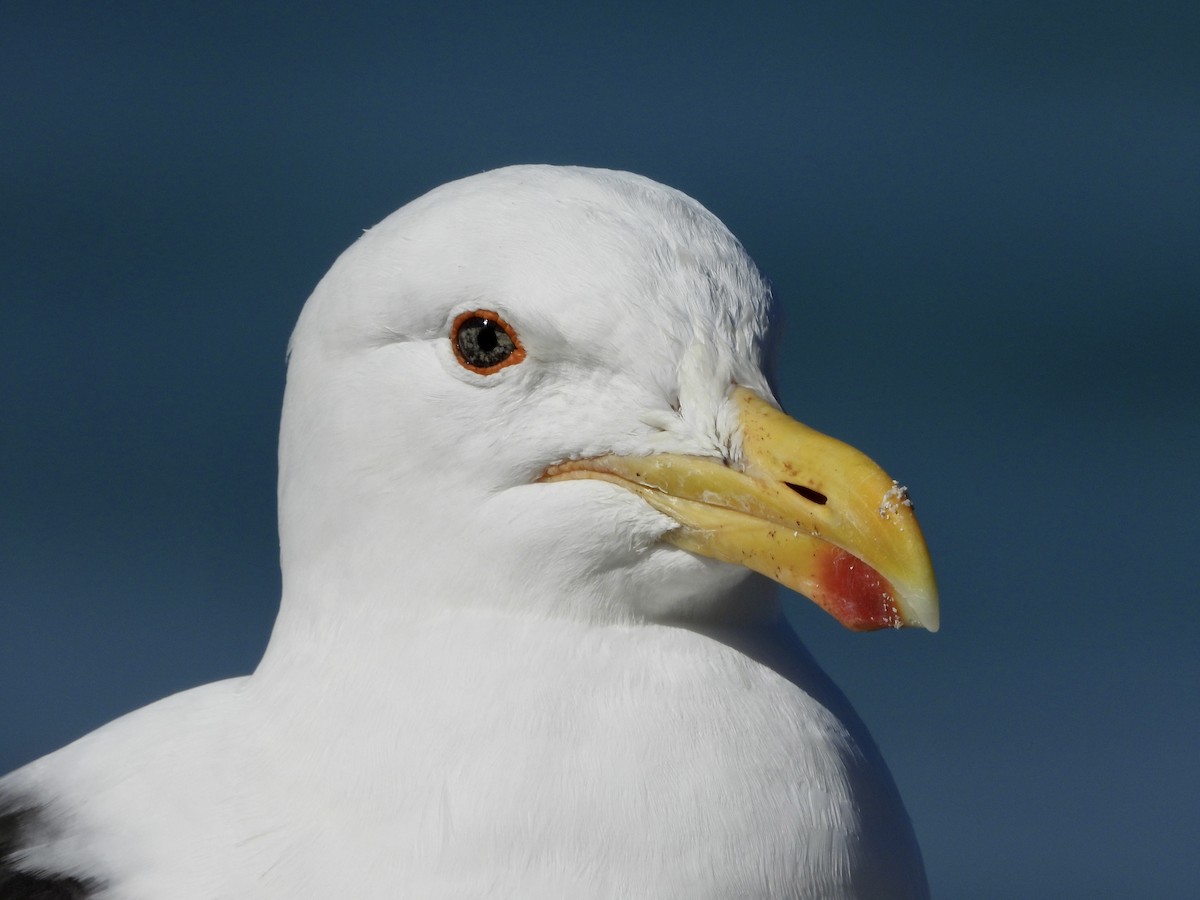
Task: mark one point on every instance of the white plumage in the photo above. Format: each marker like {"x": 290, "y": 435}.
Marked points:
{"x": 483, "y": 683}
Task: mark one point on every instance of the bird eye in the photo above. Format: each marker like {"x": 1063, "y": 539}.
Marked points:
{"x": 484, "y": 342}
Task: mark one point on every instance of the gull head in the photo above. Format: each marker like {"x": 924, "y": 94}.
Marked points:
{"x": 540, "y": 390}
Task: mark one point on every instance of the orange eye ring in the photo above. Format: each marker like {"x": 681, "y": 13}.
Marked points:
{"x": 484, "y": 343}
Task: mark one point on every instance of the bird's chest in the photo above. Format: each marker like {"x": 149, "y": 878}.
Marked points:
{"x": 631, "y": 775}
{"x": 633, "y": 771}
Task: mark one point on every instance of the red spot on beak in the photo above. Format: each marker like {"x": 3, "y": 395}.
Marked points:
{"x": 854, "y": 593}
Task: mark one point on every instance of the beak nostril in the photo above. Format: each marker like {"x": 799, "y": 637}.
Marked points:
{"x": 808, "y": 493}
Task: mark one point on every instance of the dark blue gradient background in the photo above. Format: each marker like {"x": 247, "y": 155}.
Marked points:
{"x": 982, "y": 222}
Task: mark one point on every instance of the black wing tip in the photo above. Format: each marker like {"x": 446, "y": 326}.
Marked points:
{"x": 17, "y": 824}
{"x": 23, "y": 886}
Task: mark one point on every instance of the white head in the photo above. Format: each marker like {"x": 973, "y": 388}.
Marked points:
{"x": 409, "y": 482}
{"x": 624, "y": 331}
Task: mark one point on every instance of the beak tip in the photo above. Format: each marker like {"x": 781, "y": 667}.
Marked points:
{"x": 924, "y": 612}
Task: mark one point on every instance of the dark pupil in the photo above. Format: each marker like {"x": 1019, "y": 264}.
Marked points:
{"x": 483, "y": 344}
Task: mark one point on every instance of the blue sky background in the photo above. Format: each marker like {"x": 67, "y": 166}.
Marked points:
{"x": 983, "y": 224}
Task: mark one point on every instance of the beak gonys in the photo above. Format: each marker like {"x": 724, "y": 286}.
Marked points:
{"x": 801, "y": 508}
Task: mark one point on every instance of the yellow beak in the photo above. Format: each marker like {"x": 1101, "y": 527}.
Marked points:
{"x": 803, "y": 509}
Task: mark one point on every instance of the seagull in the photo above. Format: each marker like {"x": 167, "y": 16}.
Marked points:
{"x": 534, "y": 494}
